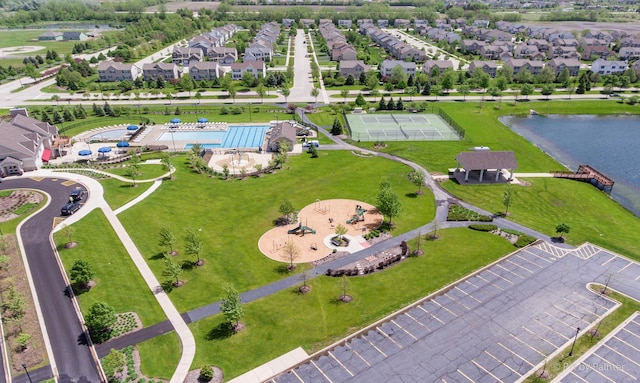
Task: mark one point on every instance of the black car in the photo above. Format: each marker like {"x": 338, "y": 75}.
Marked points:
{"x": 77, "y": 195}
{"x": 70, "y": 208}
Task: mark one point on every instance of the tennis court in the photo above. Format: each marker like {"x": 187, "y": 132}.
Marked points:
{"x": 400, "y": 127}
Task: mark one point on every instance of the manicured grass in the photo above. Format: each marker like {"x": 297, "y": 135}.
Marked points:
{"x": 159, "y": 356}
{"x": 583, "y": 344}
{"x": 548, "y": 202}
{"x": 117, "y": 193}
{"x": 483, "y": 129}
{"x": 146, "y": 172}
{"x": 316, "y": 319}
{"x": 118, "y": 282}
{"x": 234, "y": 214}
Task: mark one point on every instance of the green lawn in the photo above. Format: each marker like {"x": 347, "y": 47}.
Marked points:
{"x": 117, "y": 193}
{"x": 548, "y": 202}
{"x": 233, "y": 216}
{"x": 118, "y": 282}
{"x": 159, "y": 356}
{"x": 146, "y": 172}
{"x": 316, "y": 320}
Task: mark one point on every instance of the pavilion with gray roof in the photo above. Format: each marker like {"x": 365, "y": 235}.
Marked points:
{"x": 484, "y": 161}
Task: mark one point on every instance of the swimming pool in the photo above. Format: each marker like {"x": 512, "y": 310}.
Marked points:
{"x": 233, "y": 137}
{"x": 109, "y": 135}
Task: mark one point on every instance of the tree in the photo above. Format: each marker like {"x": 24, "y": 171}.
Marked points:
{"x": 285, "y": 92}
{"x": 437, "y": 90}
{"x": 166, "y": 163}
{"x": 417, "y": 178}
{"x": 23, "y": 340}
{"x": 360, "y": 101}
{"x": 388, "y": 201}
{"x": 261, "y": 91}
{"x": 31, "y": 71}
{"x": 231, "y": 89}
{"x": 507, "y": 198}
{"x": 68, "y": 232}
{"x": 465, "y": 89}
{"x": 81, "y": 273}
{"x": 292, "y": 252}
{"x": 546, "y": 75}
{"x": 14, "y": 306}
{"x": 315, "y": 92}
{"x": 168, "y": 239}
{"x": 231, "y": 307}
{"x": 113, "y": 363}
{"x": 194, "y": 246}
{"x": 344, "y": 93}
{"x": 186, "y": 83}
{"x": 336, "y": 128}
{"x": 172, "y": 270}
{"x": 548, "y": 89}
{"x": 206, "y": 374}
{"x": 99, "y": 319}
{"x": 133, "y": 167}
{"x": 527, "y": 90}
{"x": 344, "y": 287}
{"x": 287, "y": 210}
{"x": 562, "y": 229}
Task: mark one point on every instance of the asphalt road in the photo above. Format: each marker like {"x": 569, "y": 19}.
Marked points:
{"x": 72, "y": 356}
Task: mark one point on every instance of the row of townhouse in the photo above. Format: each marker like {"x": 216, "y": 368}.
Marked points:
{"x": 261, "y": 47}
{"x": 535, "y": 67}
{"x": 339, "y": 48}
{"x": 391, "y": 44}
{"x": 209, "y": 44}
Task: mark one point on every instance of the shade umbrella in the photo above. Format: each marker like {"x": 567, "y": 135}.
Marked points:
{"x": 122, "y": 144}
{"x": 104, "y": 149}
{"x": 175, "y": 120}
{"x": 132, "y": 127}
{"x": 84, "y": 152}
{"x": 202, "y": 119}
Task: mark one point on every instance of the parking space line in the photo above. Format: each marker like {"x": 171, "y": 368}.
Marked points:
{"x": 472, "y": 284}
{"x": 446, "y": 309}
{"x": 467, "y": 294}
{"x": 579, "y": 377}
{"x": 559, "y": 320}
{"x": 627, "y": 343}
{"x": 491, "y": 283}
{"x": 487, "y": 371}
{"x": 403, "y": 329}
{"x": 503, "y": 363}
{"x": 627, "y": 330}
{"x": 417, "y": 321}
{"x": 538, "y": 336}
{"x": 528, "y": 261}
{"x": 384, "y": 334}
{"x": 622, "y": 355}
{"x": 457, "y": 301}
{"x": 463, "y": 374}
{"x": 519, "y": 265}
{"x": 509, "y": 271}
{"x": 570, "y": 314}
{"x": 322, "y": 372}
{"x": 552, "y": 329}
{"x": 537, "y": 256}
{"x": 340, "y": 363}
{"x": 358, "y": 355}
{"x": 528, "y": 345}
{"x": 297, "y": 376}
{"x": 373, "y": 345}
{"x": 579, "y": 306}
{"x": 598, "y": 372}
{"x": 515, "y": 353}
{"x": 434, "y": 317}
{"x": 638, "y": 277}
{"x": 499, "y": 276}
{"x": 609, "y": 260}
{"x": 622, "y": 269}
{"x": 589, "y": 300}
{"x": 611, "y": 364}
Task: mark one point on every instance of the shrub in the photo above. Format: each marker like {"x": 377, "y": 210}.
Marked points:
{"x": 524, "y": 240}
{"x": 514, "y": 232}
{"x": 483, "y": 227}
{"x": 206, "y": 373}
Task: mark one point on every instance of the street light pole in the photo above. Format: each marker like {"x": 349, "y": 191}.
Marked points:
{"x": 574, "y": 341}
{"x": 27, "y": 371}
{"x": 172, "y": 140}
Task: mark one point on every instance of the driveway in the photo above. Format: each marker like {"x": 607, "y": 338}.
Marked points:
{"x": 302, "y": 81}
{"x": 71, "y": 356}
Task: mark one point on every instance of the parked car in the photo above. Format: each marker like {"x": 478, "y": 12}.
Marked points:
{"x": 77, "y": 195}
{"x": 70, "y": 208}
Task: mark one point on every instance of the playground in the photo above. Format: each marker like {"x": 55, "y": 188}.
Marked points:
{"x": 312, "y": 233}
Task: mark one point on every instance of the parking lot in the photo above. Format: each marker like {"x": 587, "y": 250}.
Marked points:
{"x": 495, "y": 326}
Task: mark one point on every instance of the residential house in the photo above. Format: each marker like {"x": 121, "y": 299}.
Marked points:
{"x": 473, "y": 46}
{"x": 354, "y": 68}
{"x": 488, "y": 67}
{"x": 109, "y": 71}
{"x": 602, "y": 66}
{"x": 481, "y": 23}
{"x": 633, "y": 42}
{"x": 442, "y": 66}
{"x": 592, "y": 48}
{"x": 387, "y": 66}
{"x": 256, "y": 68}
{"x": 74, "y": 36}
{"x": 525, "y": 51}
{"x": 493, "y": 52}
{"x": 343, "y": 51}
{"x": 534, "y": 67}
{"x": 307, "y": 23}
{"x": 629, "y": 53}
{"x": 542, "y": 45}
{"x": 168, "y": 71}
{"x": 566, "y": 43}
{"x": 288, "y": 22}
{"x": 402, "y": 23}
{"x": 203, "y": 43}
{"x": 558, "y": 65}
{"x": 636, "y": 66}
{"x": 566, "y": 52}
{"x": 383, "y": 23}
{"x": 495, "y": 35}
{"x": 223, "y": 55}
{"x": 25, "y": 143}
{"x": 345, "y": 23}
{"x": 56, "y": 36}
{"x": 186, "y": 55}
{"x": 259, "y": 52}
{"x": 204, "y": 70}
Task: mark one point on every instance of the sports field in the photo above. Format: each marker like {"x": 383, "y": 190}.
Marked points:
{"x": 400, "y": 127}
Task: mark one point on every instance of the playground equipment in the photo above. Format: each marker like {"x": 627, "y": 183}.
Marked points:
{"x": 359, "y": 216}
{"x": 301, "y": 229}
